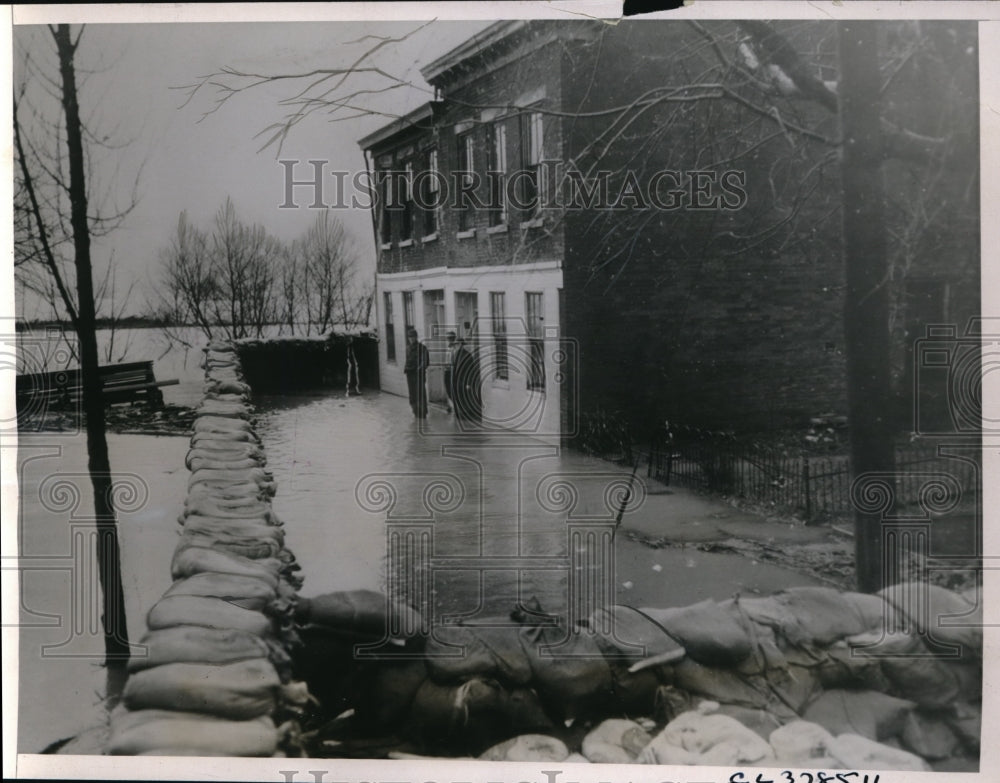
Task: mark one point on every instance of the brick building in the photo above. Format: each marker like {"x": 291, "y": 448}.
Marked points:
{"x": 613, "y": 232}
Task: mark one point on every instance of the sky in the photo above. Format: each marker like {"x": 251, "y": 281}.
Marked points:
{"x": 132, "y": 79}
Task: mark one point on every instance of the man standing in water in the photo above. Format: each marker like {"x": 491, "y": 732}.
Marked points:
{"x": 417, "y": 360}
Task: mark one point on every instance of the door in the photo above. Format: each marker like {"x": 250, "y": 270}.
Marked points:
{"x": 434, "y": 339}
{"x": 467, "y": 317}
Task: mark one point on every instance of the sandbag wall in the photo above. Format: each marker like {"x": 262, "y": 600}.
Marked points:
{"x": 845, "y": 679}
{"x": 215, "y": 676}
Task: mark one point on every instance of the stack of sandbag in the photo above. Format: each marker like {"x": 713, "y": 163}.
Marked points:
{"x": 215, "y": 679}
{"x": 856, "y": 665}
{"x": 705, "y": 737}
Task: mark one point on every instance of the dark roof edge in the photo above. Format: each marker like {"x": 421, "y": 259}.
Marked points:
{"x": 398, "y": 125}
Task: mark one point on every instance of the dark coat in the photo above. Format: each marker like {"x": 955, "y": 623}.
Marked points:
{"x": 466, "y": 385}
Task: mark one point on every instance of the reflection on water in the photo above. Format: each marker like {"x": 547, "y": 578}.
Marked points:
{"x": 351, "y": 470}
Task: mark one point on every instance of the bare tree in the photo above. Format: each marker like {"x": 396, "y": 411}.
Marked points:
{"x": 289, "y": 285}
{"x": 188, "y": 284}
{"x": 224, "y": 282}
{"x": 53, "y": 205}
{"x": 328, "y": 261}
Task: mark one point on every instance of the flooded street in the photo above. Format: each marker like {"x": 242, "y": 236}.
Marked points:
{"x": 506, "y": 519}
{"x": 509, "y": 517}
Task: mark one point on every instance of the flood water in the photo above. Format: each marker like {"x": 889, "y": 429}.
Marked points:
{"x": 509, "y": 518}
{"x": 504, "y": 519}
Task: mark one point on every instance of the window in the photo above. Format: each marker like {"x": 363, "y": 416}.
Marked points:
{"x": 466, "y": 165}
{"x": 531, "y": 158}
{"x": 430, "y": 193}
{"x": 534, "y": 305}
{"x": 385, "y": 216}
{"x": 498, "y": 322}
{"x": 407, "y": 309}
{"x": 390, "y": 329}
{"x": 406, "y": 197}
{"x": 498, "y": 173}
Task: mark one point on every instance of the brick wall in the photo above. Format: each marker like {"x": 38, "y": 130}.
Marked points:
{"x": 723, "y": 318}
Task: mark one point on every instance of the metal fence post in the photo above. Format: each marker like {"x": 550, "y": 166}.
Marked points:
{"x": 805, "y": 486}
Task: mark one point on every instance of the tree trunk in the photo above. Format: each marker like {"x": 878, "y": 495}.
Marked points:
{"x": 116, "y": 646}
{"x": 866, "y": 301}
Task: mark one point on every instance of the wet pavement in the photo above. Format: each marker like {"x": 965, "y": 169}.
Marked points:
{"x": 506, "y": 518}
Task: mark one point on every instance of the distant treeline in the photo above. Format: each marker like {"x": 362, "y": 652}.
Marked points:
{"x": 128, "y": 322}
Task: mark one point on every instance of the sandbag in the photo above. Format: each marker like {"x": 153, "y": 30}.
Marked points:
{"x": 721, "y": 685}
{"x": 772, "y": 613}
{"x": 223, "y": 424}
{"x": 966, "y": 721}
{"x": 929, "y": 737}
{"x": 456, "y": 652}
{"x": 190, "y": 560}
{"x": 528, "y": 747}
{"x": 265, "y": 489}
{"x": 442, "y": 715}
{"x": 713, "y": 738}
{"x": 631, "y": 636}
{"x": 239, "y": 691}
{"x": 950, "y": 618}
{"x": 257, "y": 475}
{"x": 875, "y": 612}
{"x": 822, "y": 614}
{"x": 871, "y": 714}
{"x": 634, "y": 692}
{"x": 386, "y": 699}
{"x": 206, "y": 435}
{"x": 209, "y": 612}
{"x": 236, "y": 491}
{"x": 802, "y": 744}
{"x": 839, "y": 667}
{"x": 254, "y": 547}
{"x": 914, "y": 672}
{"x": 196, "y": 644}
{"x": 380, "y": 691}
{"x": 856, "y": 752}
{"x": 474, "y": 716}
{"x": 227, "y": 387}
{"x": 169, "y": 733}
{"x": 707, "y": 632}
{"x": 209, "y": 446}
{"x": 246, "y": 508}
{"x": 200, "y": 461}
{"x": 236, "y": 409}
{"x": 761, "y": 722}
{"x": 615, "y": 741}
{"x": 794, "y": 686}
{"x": 569, "y": 672}
{"x": 233, "y": 528}
{"x": 360, "y": 611}
{"x": 226, "y": 451}
{"x": 229, "y": 587}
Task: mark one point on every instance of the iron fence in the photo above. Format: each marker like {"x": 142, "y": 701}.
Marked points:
{"x": 809, "y": 485}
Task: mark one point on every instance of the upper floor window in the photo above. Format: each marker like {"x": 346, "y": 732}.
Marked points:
{"x": 467, "y": 169}
{"x": 430, "y": 192}
{"x": 531, "y": 138}
{"x": 406, "y": 202}
{"x": 385, "y": 216}
{"x": 497, "y": 173}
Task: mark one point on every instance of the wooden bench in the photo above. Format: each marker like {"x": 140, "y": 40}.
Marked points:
{"x": 127, "y": 382}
